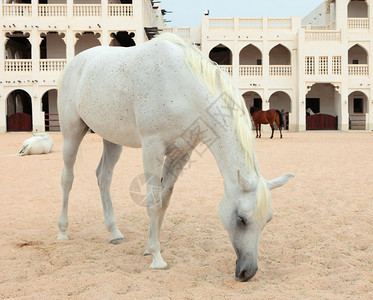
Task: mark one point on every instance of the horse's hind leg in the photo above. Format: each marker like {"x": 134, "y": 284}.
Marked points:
{"x": 273, "y": 129}
{"x": 72, "y": 138}
{"x": 104, "y": 172}
{"x": 172, "y": 168}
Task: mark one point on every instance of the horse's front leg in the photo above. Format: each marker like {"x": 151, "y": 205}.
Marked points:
{"x": 172, "y": 168}
{"x": 256, "y": 129}
{"x": 153, "y": 155}
{"x": 104, "y": 172}
{"x": 260, "y": 130}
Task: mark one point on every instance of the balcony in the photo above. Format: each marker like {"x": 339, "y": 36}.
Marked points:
{"x": 323, "y": 36}
{"x": 52, "y": 65}
{"x": 17, "y": 10}
{"x": 221, "y": 23}
{"x": 280, "y": 70}
{"x": 61, "y": 10}
{"x": 358, "y": 24}
{"x": 18, "y": 65}
{"x": 52, "y": 10}
{"x": 358, "y": 70}
{"x": 251, "y": 71}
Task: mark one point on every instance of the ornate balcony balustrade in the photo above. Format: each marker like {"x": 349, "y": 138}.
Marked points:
{"x": 358, "y": 23}
{"x": 120, "y": 10}
{"x": 52, "y": 10}
{"x": 251, "y": 23}
{"x": 18, "y": 65}
{"x": 17, "y": 10}
{"x": 87, "y": 10}
{"x": 323, "y": 36}
{"x": 52, "y": 65}
{"x": 279, "y": 23}
{"x": 251, "y": 71}
{"x": 280, "y": 70}
{"x": 221, "y": 23}
{"x": 358, "y": 70}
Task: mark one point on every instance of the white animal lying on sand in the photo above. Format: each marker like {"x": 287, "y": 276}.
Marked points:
{"x": 40, "y": 143}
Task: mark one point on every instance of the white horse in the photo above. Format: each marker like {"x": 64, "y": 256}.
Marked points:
{"x": 40, "y": 143}
{"x": 167, "y": 98}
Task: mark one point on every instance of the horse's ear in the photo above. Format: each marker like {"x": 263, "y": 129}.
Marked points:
{"x": 244, "y": 182}
{"x": 280, "y": 181}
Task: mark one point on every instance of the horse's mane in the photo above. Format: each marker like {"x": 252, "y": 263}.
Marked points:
{"x": 217, "y": 81}
{"x": 253, "y": 109}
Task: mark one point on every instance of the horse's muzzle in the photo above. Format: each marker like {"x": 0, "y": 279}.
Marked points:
{"x": 245, "y": 273}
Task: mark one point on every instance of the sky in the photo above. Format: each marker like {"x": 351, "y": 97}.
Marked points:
{"x": 188, "y": 12}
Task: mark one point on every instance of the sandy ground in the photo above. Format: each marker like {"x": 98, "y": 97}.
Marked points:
{"x": 318, "y": 245}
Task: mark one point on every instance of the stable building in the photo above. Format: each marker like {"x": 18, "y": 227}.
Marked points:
{"x": 316, "y": 69}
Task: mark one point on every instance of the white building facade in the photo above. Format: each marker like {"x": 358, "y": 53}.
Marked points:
{"x": 40, "y": 36}
{"x": 322, "y": 62}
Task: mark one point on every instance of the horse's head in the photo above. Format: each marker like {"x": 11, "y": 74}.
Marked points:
{"x": 244, "y": 212}
{"x": 252, "y": 110}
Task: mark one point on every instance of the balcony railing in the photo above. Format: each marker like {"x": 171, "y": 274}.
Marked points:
{"x": 17, "y": 10}
{"x": 87, "y": 10}
{"x": 52, "y": 65}
{"x": 280, "y": 70}
{"x": 358, "y": 70}
{"x": 227, "y": 69}
{"x": 52, "y": 10}
{"x": 251, "y": 23}
{"x": 18, "y": 65}
{"x": 221, "y": 23}
{"x": 323, "y": 36}
{"x": 279, "y": 23}
{"x": 184, "y": 32}
{"x": 120, "y": 10}
{"x": 358, "y": 23}
{"x": 251, "y": 71}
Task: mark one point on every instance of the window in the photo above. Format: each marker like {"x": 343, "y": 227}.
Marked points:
{"x": 337, "y": 65}
{"x": 310, "y": 65}
{"x": 258, "y": 103}
{"x": 355, "y": 61}
{"x": 358, "y": 105}
{"x": 259, "y": 62}
{"x": 323, "y": 65}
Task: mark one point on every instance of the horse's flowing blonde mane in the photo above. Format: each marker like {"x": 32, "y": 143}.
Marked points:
{"x": 217, "y": 81}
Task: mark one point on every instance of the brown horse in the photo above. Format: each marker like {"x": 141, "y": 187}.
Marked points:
{"x": 266, "y": 117}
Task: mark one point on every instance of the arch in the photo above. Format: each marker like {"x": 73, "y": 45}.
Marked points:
{"x": 19, "y": 111}
{"x": 49, "y": 104}
{"x": 18, "y": 45}
{"x": 252, "y": 98}
{"x": 52, "y": 45}
{"x": 280, "y": 100}
{"x": 250, "y": 55}
{"x": 357, "y": 9}
{"x": 221, "y": 54}
{"x": 122, "y": 39}
{"x": 357, "y": 54}
{"x": 86, "y": 40}
{"x": 358, "y": 107}
{"x": 279, "y": 55}
{"x": 325, "y": 101}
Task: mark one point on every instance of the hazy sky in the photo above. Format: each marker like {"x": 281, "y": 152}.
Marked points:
{"x": 188, "y": 12}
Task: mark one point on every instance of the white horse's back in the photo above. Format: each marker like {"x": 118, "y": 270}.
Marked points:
{"x": 123, "y": 93}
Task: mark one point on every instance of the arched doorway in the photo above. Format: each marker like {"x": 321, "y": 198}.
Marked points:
{"x": 252, "y": 99}
{"x": 18, "y": 46}
{"x": 281, "y": 101}
{"x": 222, "y": 55}
{"x": 19, "y": 111}
{"x": 250, "y": 61}
{"x": 322, "y": 107}
{"x": 358, "y": 61}
{"x": 49, "y": 102}
{"x": 357, "y": 9}
{"x": 280, "y": 61}
{"x": 357, "y": 110}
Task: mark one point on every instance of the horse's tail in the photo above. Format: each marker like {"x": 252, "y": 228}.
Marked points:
{"x": 281, "y": 119}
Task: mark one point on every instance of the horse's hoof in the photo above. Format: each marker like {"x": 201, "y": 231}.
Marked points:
{"x": 62, "y": 236}
{"x": 117, "y": 241}
{"x": 159, "y": 266}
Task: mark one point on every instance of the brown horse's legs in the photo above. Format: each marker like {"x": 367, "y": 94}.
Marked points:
{"x": 278, "y": 124}
{"x": 273, "y": 129}
{"x": 256, "y": 129}
{"x": 260, "y": 130}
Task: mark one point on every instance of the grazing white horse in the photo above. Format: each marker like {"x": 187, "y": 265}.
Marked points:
{"x": 40, "y": 143}
{"x": 167, "y": 98}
